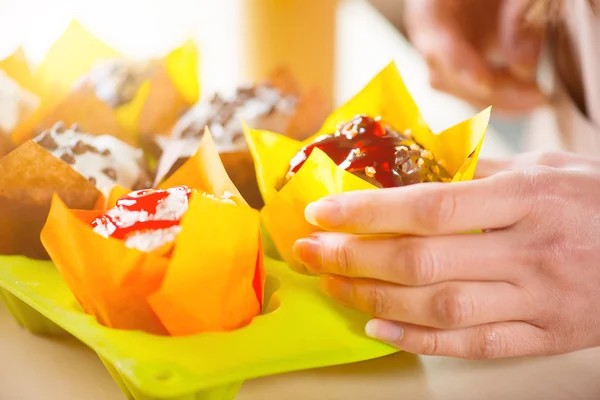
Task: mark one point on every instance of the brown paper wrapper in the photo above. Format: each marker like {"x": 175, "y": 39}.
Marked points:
{"x": 310, "y": 113}
{"x": 29, "y": 176}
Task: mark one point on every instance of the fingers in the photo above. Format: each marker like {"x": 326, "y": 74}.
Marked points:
{"x": 505, "y": 94}
{"x": 459, "y": 68}
{"x": 411, "y": 260}
{"x": 458, "y": 61}
{"x": 521, "y": 40}
{"x": 448, "y": 305}
{"x": 498, "y": 340}
{"x": 490, "y": 166}
{"x": 426, "y": 209}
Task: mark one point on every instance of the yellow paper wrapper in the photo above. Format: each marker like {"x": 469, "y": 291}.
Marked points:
{"x": 213, "y": 281}
{"x": 157, "y": 103}
{"x": 386, "y": 96}
{"x": 17, "y": 67}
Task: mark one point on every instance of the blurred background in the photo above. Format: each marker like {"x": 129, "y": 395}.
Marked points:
{"x": 241, "y": 39}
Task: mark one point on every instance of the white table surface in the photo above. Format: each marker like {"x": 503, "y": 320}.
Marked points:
{"x": 35, "y": 368}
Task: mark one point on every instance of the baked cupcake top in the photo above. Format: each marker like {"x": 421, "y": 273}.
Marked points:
{"x": 117, "y": 80}
{"x": 262, "y": 106}
{"x": 105, "y": 160}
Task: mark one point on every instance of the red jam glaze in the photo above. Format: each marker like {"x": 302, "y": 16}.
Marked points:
{"x": 366, "y": 146}
{"x": 142, "y": 200}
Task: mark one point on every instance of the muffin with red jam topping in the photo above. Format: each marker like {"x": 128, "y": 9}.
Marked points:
{"x": 148, "y": 220}
{"x": 374, "y": 151}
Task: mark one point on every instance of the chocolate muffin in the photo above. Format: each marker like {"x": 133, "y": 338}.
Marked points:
{"x": 372, "y": 150}
{"x": 261, "y": 106}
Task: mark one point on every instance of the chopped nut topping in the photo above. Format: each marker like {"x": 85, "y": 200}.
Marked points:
{"x": 80, "y": 148}
{"x": 46, "y": 141}
{"x": 59, "y": 127}
{"x": 110, "y": 172}
{"x": 406, "y": 166}
{"x": 370, "y": 171}
{"x": 415, "y": 146}
{"x": 68, "y": 158}
{"x": 426, "y": 154}
{"x": 435, "y": 169}
{"x": 420, "y": 162}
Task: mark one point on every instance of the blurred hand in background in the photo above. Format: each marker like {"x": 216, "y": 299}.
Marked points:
{"x": 482, "y": 51}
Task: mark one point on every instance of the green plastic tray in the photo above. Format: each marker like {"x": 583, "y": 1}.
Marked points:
{"x": 301, "y": 329}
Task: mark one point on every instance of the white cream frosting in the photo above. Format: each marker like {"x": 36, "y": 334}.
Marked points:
{"x": 112, "y": 154}
{"x": 117, "y": 80}
{"x": 172, "y": 208}
{"x": 16, "y": 103}
{"x": 254, "y": 110}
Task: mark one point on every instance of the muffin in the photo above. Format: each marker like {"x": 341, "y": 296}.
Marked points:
{"x": 102, "y": 159}
{"x": 116, "y": 81}
{"x": 261, "y": 106}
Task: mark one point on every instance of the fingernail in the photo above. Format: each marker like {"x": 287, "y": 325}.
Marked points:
{"x": 338, "y": 288}
{"x": 386, "y": 331}
{"x": 323, "y": 212}
{"x": 308, "y": 252}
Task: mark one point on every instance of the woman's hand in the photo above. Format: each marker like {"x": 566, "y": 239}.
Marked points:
{"x": 484, "y": 52}
{"x": 528, "y": 285}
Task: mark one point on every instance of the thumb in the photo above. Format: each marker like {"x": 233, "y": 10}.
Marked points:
{"x": 521, "y": 39}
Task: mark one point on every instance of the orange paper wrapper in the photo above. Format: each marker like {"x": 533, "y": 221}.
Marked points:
{"x": 28, "y": 178}
{"x": 385, "y": 96}
{"x": 310, "y": 113}
{"x": 159, "y": 100}
{"x": 213, "y": 281}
